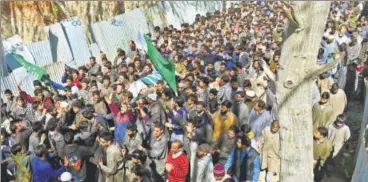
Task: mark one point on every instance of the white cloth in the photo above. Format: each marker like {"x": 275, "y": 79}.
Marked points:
{"x": 338, "y": 136}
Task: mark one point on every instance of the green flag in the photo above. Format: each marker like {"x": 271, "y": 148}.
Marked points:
{"x": 166, "y": 68}
{"x": 37, "y": 72}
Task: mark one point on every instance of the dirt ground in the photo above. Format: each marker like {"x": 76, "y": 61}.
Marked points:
{"x": 344, "y": 168}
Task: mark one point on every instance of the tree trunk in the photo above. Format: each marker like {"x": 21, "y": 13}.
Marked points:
{"x": 294, "y": 90}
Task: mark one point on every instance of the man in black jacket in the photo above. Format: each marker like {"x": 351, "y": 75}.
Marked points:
{"x": 77, "y": 156}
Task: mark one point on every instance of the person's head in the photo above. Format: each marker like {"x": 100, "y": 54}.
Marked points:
{"x": 245, "y": 129}
{"x": 222, "y": 68}
{"x": 17, "y": 149}
{"x": 334, "y": 88}
{"x": 158, "y": 130}
{"x": 238, "y": 50}
{"x": 41, "y": 151}
{"x": 260, "y": 106}
{"x": 4, "y": 135}
{"x": 224, "y": 80}
{"x": 233, "y": 131}
{"x": 131, "y": 129}
{"x": 77, "y": 105}
{"x": 16, "y": 126}
{"x": 131, "y": 44}
{"x": 340, "y": 120}
{"x": 37, "y": 127}
{"x": 92, "y": 60}
{"x": 84, "y": 126}
{"x": 193, "y": 124}
{"x": 210, "y": 66}
{"x": 324, "y": 98}
{"x": 192, "y": 99}
{"x": 138, "y": 157}
{"x": 75, "y": 74}
{"x": 68, "y": 91}
{"x": 176, "y": 146}
{"x": 179, "y": 101}
{"x": 96, "y": 96}
{"x": 147, "y": 69}
{"x": 128, "y": 97}
{"x": 243, "y": 142}
{"x": 234, "y": 84}
{"x": 212, "y": 94}
{"x": 247, "y": 84}
{"x": 66, "y": 177}
{"x": 137, "y": 64}
{"x": 275, "y": 126}
{"x": 203, "y": 150}
{"x": 9, "y": 95}
{"x": 69, "y": 138}
{"x": 320, "y": 133}
{"x": 225, "y": 106}
{"x": 125, "y": 107}
{"x": 39, "y": 94}
{"x": 151, "y": 98}
{"x": 122, "y": 54}
{"x": 203, "y": 82}
{"x": 106, "y": 80}
{"x": 166, "y": 94}
{"x": 20, "y": 101}
{"x": 239, "y": 96}
{"x": 200, "y": 106}
{"x": 219, "y": 172}
{"x": 119, "y": 88}
{"x": 105, "y": 139}
{"x": 139, "y": 172}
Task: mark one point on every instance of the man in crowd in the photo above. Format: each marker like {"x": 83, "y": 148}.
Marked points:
{"x": 244, "y": 162}
{"x": 322, "y": 112}
{"x": 177, "y": 164}
{"x": 270, "y": 150}
{"x": 322, "y": 149}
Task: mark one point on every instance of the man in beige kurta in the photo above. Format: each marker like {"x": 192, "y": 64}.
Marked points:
{"x": 322, "y": 112}
{"x": 270, "y": 151}
{"x": 337, "y": 100}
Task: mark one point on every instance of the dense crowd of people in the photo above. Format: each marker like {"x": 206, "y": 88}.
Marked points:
{"x": 220, "y": 126}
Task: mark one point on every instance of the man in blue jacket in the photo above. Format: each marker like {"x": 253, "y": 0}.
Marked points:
{"x": 41, "y": 167}
{"x": 244, "y": 163}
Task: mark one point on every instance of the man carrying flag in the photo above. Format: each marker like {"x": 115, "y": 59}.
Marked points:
{"x": 39, "y": 74}
{"x": 164, "y": 67}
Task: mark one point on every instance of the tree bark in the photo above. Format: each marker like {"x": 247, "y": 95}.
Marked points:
{"x": 294, "y": 90}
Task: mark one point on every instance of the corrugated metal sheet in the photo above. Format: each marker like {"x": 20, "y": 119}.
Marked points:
{"x": 9, "y": 82}
{"x": 116, "y": 33}
{"x": 95, "y": 51}
{"x": 178, "y": 12}
{"x": 41, "y": 52}
{"x": 136, "y": 24}
{"x": 156, "y": 15}
{"x": 77, "y": 40}
{"x": 59, "y": 44}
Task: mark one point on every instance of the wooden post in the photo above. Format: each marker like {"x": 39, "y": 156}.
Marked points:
{"x": 294, "y": 89}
